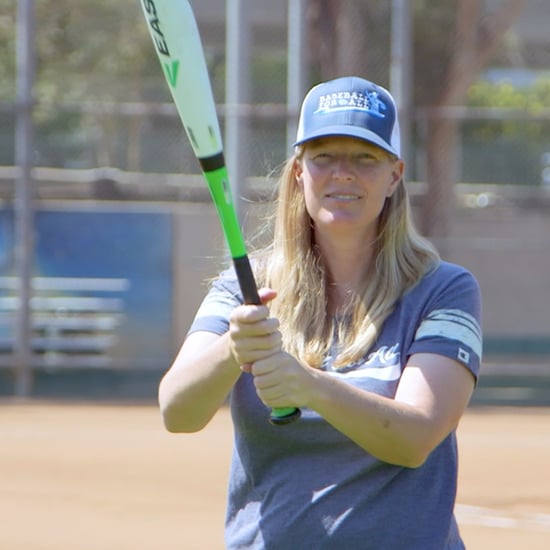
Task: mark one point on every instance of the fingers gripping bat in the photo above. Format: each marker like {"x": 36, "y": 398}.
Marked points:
{"x": 178, "y": 45}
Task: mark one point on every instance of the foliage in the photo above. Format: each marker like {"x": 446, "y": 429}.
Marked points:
{"x": 100, "y": 51}
{"x": 110, "y": 64}
{"x": 506, "y": 95}
{"x": 513, "y": 142}
{"x": 7, "y": 47}
{"x": 97, "y": 51}
{"x": 531, "y": 100}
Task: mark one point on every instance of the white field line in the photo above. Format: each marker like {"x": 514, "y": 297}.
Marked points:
{"x": 487, "y": 517}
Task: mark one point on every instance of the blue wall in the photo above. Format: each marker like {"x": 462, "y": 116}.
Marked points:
{"x": 133, "y": 245}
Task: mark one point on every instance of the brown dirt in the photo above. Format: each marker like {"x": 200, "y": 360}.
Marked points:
{"x": 102, "y": 477}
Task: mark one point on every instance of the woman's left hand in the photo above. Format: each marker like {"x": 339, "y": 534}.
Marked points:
{"x": 280, "y": 380}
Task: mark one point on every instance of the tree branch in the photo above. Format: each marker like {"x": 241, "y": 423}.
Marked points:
{"x": 476, "y": 39}
{"x": 495, "y": 26}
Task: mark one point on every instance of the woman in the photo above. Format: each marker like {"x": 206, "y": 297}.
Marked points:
{"x": 362, "y": 327}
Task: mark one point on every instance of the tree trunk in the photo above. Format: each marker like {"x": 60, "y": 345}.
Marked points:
{"x": 322, "y": 21}
{"x": 476, "y": 37}
{"x": 345, "y": 38}
{"x": 441, "y": 173}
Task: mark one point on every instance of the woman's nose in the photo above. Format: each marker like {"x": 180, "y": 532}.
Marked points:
{"x": 343, "y": 168}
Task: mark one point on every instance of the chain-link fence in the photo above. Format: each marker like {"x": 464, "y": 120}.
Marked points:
{"x": 476, "y": 100}
{"x": 101, "y": 101}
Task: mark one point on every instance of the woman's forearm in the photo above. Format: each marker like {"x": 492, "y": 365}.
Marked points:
{"x": 394, "y": 432}
{"x": 197, "y": 384}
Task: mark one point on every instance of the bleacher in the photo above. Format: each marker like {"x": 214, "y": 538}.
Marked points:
{"x": 74, "y": 320}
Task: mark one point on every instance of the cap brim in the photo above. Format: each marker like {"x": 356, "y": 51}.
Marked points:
{"x": 348, "y": 131}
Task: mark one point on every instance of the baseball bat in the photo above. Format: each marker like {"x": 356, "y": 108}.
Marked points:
{"x": 177, "y": 41}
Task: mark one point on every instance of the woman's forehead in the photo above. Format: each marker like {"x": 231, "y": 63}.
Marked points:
{"x": 343, "y": 142}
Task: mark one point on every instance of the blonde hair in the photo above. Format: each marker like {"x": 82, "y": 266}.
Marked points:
{"x": 291, "y": 264}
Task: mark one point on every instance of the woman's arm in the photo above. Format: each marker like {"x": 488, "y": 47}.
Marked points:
{"x": 430, "y": 400}
{"x": 198, "y": 382}
{"x": 431, "y": 397}
{"x": 208, "y": 365}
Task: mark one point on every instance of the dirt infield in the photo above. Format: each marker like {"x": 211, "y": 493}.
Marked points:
{"x": 97, "y": 477}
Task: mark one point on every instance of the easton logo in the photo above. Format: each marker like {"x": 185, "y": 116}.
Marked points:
{"x": 170, "y": 68}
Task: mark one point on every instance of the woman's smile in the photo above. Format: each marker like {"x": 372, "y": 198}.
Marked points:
{"x": 346, "y": 182}
{"x": 345, "y": 197}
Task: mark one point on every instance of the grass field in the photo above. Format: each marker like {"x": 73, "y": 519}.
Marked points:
{"x": 102, "y": 477}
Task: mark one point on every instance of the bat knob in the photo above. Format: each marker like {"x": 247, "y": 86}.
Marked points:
{"x": 281, "y": 417}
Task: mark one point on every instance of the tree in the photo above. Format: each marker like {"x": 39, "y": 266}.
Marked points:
{"x": 476, "y": 35}
{"x": 100, "y": 52}
{"x": 453, "y": 42}
{"x": 347, "y": 36}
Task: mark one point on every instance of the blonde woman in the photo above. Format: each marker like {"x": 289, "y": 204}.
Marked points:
{"x": 363, "y": 327}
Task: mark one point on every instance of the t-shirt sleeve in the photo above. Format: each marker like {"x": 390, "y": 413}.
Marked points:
{"x": 213, "y": 314}
{"x": 451, "y": 321}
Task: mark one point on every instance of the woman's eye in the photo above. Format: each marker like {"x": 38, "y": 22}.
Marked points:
{"x": 365, "y": 158}
{"x": 359, "y": 158}
{"x": 323, "y": 157}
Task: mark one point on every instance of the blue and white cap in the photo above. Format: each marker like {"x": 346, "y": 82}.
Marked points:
{"x": 350, "y": 106}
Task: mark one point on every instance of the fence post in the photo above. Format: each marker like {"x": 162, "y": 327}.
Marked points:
{"x": 297, "y": 72}
{"x": 401, "y": 70}
{"x": 237, "y": 96}
{"x": 23, "y": 208}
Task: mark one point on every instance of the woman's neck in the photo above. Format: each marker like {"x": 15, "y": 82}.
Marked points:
{"x": 347, "y": 266}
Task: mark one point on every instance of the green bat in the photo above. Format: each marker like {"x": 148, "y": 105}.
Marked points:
{"x": 179, "y": 48}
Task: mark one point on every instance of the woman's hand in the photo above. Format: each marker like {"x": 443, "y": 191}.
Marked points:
{"x": 253, "y": 334}
{"x": 256, "y": 344}
{"x": 281, "y": 380}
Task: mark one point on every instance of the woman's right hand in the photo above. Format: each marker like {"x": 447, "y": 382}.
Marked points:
{"x": 254, "y": 335}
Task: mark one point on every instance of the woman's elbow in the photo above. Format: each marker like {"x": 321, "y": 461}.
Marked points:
{"x": 176, "y": 421}
{"x": 170, "y": 417}
{"x": 420, "y": 448}
{"x": 175, "y": 416}
{"x": 415, "y": 459}
{"x": 406, "y": 458}
{"x": 172, "y": 422}
{"x": 411, "y": 453}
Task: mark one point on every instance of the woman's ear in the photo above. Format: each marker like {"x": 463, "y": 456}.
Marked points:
{"x": 397, "y": 175}
{"x": 298, "y": 170}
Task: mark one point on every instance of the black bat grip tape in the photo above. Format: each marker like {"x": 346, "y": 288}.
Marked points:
{"x": 250, "y": 295}
{"x": 246, "y": 280}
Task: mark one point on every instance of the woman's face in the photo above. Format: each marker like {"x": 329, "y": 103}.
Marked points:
{"x": 345, "y": 182}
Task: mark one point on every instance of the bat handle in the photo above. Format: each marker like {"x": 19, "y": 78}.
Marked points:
{"x": 279, "y": 416}
{"x": 246, "y": 280}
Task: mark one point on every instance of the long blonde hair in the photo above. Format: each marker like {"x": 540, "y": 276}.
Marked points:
{"x": 291, "y": 264}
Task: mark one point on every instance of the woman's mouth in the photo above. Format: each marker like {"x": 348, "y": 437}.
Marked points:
{"x": 343, "y": 196}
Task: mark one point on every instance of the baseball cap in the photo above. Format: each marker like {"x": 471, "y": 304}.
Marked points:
{"x": 350, "y": 106}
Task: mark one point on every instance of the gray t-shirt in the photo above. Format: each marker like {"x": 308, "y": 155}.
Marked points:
{"x": 306, "y": 485}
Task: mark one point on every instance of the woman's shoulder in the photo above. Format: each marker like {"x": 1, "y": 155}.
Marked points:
{"x": 226, "y": 282}
{"x": 445, "y": 271}
{"x": 446, "y": 278}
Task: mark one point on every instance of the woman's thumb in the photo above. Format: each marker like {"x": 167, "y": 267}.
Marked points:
{"x": 266, "y": 295}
